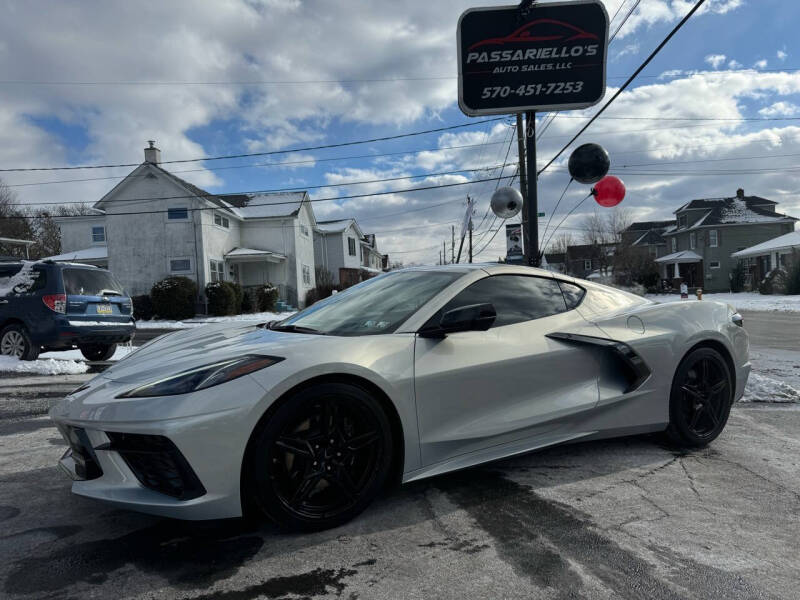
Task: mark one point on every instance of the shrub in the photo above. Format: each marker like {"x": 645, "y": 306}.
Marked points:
{"x": 239, "y": 293}
{"x": 267, "y": 296}
{"x": 247, "y": 302}
{"x": 737, "y": 278}
{"x": 221, "y": 298}
{"x": 142, "y": 307}
{"x": 174, "y": 298}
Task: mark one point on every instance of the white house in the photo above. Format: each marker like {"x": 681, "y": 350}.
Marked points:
{"x": 154, "y": 224}
{"x": 341, "y": 248}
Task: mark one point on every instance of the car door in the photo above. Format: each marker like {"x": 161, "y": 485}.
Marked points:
{"x": 477, "y": 389}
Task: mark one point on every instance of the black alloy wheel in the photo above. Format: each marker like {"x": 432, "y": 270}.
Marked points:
{"x": 98, "y": 351}
{"x": 701, "y": 398}
{"x": 322, "y": 457}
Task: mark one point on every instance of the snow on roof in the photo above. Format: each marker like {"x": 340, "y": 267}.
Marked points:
{"x": 251, "y": 252}
{"x": 333, "y": 226}
{"x": 738, "y": 212}
{"x": 783, "y": 242}
{"x": 684, "y": 256}
{"x": 264, "y": 206}
{"x": 93, "y": 253}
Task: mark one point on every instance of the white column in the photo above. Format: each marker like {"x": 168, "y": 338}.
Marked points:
{"x": 677, "y": 271}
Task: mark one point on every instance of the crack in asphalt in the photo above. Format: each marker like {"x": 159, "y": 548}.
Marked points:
{"x": 539, "y": 538}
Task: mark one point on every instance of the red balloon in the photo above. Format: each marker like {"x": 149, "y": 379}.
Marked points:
{"x": 609, "y": 191}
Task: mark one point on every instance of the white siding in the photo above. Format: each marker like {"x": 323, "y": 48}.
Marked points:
{"x": 76, "y": 233}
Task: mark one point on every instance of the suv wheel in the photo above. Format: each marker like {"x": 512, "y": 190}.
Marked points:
{"x": 15, "y": 341}
{"x": 98, "y": 351}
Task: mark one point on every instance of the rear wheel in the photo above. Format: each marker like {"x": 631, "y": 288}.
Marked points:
{"x": 321, "y": 458}
{"x": 701, "y": 398}
{"x": 98, "y": 351}
{"x": 15, "y": 341}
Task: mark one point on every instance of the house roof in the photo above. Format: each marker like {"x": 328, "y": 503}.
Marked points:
{"x": 650, "y": 238}
{"x": 783, "y": 242}
{"x": 555, "y": 257}
{"x": 648, "y": 225}
{"x": 713, "y": 202}
{"x": 252, "y": 252}
{"x": 93, "y": 253}
{"x": 338, "y": 226}
{"x": 585, "y": 251}
{"x": 733, "y": 211}
{"x": 266, "y": 205}
{"x": 684, "y": 256}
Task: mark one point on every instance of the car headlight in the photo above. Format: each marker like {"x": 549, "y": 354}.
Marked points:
{"x": 203, "y": 377}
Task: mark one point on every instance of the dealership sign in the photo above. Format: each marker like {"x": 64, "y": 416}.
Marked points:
{"x": 550, "y": 57}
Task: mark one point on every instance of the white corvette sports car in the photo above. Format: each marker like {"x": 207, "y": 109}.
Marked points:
{"x": 411, "y": 374}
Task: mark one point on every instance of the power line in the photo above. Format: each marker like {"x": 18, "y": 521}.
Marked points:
{"x": 270, "y": 153}
{"x": 627, "y": 82}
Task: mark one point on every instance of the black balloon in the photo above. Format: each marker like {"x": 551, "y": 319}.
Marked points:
{"x": 589, "y": 163}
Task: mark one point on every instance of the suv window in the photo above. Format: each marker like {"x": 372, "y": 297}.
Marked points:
{"x": 89, "y": 282}
{"x": 516, "y": 298}
{"x": 21, "y": 279}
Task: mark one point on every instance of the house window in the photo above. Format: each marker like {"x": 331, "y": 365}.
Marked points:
{"x": 98, "y": 234}
{"x": 674, "y": 244}
{"x": 652, "y": 250}
{"x": 692, "y": 241}
{"x": 713, "y": 240}
{"x": 351, "y": 246}
{"x": 217, "y": 270}
{"x": 306, "y": 275}
{"x": 304, "y": 230}
{"x": 180, "y": 265}
{"x": 221, "y": 221}
{"x": 178, "y": 214}
{"x": 587, "y": 264}
{"x": 714, "y": 264}
{"x": 683, "y": 222}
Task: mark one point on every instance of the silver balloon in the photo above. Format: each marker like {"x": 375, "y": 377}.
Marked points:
{"x": 506, "y": 202}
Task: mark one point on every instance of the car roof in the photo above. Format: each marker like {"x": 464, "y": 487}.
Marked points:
{"x": 490, "y": 268}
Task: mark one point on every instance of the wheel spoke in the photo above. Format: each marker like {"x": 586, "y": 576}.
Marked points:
{"x": 717, "y": 387}
{"x": 305, "y": 488}
{"x": 704, "y": 369}
{"x": 330, "y": 417}
{"x": 692, "y": 392}
{"x": 712, "y": 413}
{"x": 346, "y": 483}
{"x": 695, "y": 418}
{"x": 362, "y": 441}
{"x": 295, "y": 445}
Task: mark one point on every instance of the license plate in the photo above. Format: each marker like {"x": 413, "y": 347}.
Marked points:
{"x": 104, "y": 309}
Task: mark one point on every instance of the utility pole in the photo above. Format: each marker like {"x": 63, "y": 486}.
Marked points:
{"x": 470, "y": 238}
{"x": 523, "y": 179}
{"x": 530, "y": 208}
{"x": 452, "y": 244}
{"x": 444, "y": 251}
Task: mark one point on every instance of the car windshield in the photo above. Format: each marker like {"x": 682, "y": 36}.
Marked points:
{"x": 90, "y": 282}
{"x": 376, "y": 306}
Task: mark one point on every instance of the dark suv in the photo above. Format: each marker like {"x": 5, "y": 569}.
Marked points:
{"x": 58, "y": 306}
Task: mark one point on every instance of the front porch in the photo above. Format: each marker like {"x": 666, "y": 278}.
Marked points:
{"x": 682, "y": 267}
{"x": 253, "y": 268}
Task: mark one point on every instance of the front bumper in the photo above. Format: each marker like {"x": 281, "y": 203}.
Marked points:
{"x": 164, "y": 456}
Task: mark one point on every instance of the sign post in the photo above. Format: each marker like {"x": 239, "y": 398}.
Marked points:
{"x": 528, "y": 58}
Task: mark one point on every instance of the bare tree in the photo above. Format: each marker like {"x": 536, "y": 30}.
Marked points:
{"x": 13, "y": 223}
{"x": 560, "y": 244}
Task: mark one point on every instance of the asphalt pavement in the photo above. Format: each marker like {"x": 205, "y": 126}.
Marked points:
{"x": 629, "y": 518}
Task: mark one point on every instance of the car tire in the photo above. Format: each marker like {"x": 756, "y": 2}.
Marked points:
{"x": 700, "y": 399}
{"x": 320, "y": 458}
{"x": 15, "y": 341}
{"x": 98, "y": 351}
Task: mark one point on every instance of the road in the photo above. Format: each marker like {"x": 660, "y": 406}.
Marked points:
{"x": 629, "y": 518}
{"x": 776, "y": 330}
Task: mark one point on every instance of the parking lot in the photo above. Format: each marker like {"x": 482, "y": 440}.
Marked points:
{"x": 630, "y": 518}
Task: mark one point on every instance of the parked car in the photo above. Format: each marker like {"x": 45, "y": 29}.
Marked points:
{"x": 59, "y": 306}
{"x": 408, "y": 375}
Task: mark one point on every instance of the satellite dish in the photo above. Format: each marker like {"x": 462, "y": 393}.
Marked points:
{"x": 506, "y": 202}
{"x": 589, "y": 163}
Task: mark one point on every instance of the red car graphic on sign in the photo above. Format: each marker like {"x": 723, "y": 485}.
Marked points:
{"x": 525, "y": 34}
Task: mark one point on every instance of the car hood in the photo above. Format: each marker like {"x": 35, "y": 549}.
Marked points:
{"x": 184, "y": 350}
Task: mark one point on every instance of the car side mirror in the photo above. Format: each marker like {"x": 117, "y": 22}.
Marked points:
{"x": 474, "y": 317}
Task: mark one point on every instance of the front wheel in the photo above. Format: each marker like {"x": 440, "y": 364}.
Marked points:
{"x": 701, "y": 398}
{"x": 15, "y": 341}
{"x": 321, "y": 458}
{"x": 98, "y": 351}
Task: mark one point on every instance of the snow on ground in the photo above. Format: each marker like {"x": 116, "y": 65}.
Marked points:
{"x": 742, "y": 300}
{"x": 262, "y": 317}
{"x": 42, "y": 366}
{"x": 775, "y": 376}
{"x": 121, "y": 352}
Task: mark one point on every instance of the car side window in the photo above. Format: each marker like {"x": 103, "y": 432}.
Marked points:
{"x": 573, "y": 294}
{"x": 516, "y": 298}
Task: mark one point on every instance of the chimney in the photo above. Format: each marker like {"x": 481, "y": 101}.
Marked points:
{"x": 740, "y": 193}
{"x": 152, "y": 154}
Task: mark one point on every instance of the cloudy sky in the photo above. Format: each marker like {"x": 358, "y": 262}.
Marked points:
{"x": 85, "y": 83}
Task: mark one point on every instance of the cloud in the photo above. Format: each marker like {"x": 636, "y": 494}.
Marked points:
{"x": 780, "y": 109}
{"x": 715, "y": 60}
{"x": 734, "y": 64}
{"x": 760, "y": 64}
{"x": 781, "y": 54}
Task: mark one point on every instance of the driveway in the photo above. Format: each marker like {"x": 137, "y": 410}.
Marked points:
{"x": 630, "y": 518}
